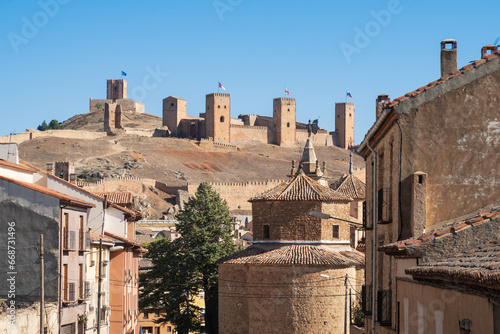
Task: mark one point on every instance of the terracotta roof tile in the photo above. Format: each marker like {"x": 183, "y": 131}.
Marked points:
{"x": 445, "y": 78}
{"x": 120, "y": 198}
{"x": 300, "y": 188}
{"x": 11, "y": 165}
{"x": 480, "y": 265}
{"x": 97, "y": 237}
{"x": 405, "y": 247}
{"x": 71, "y": 200}
{"x": 350, "y": 186}
{"x": 296, "y": 254}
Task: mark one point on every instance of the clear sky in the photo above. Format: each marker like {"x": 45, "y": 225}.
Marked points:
{"x": 56, "y": 54}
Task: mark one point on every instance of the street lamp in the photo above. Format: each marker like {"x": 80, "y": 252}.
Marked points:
{"x": 323, "y": 215}
{"x": 345, "y": 284}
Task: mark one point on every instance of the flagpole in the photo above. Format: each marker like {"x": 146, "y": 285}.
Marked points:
{"x": 346, "y": 95}
{"x": 218, "y": 87}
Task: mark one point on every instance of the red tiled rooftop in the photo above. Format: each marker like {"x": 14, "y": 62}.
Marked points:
{"x": 408, "y": 246}
{"x": 11, "y": 165}
{"x": 97, "y": 237}
{"x": 350, "y": 186}
{"x": 71, "y": 200}
{"x": 296, "y": 254}
{"x": 120, "y": 198}
{"x": 480, "y": 265}
{"x": 445, "y": 78}
{"x": 300, "y": 188}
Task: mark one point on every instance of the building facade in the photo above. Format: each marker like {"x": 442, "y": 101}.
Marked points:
{"x": 431, "y": 158}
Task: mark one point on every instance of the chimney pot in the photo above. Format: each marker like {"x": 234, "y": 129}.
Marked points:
{"x": 382, "y": 100}
{"x": 488, "y": 50}
{"x": 448, "y": 56}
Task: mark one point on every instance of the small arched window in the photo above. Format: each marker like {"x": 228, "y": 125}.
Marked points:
{"x": 218, "y": 107}
{"x": 222, "y": 119}
{"x": 266, "y": 234}
{"x": 288, "y": 124}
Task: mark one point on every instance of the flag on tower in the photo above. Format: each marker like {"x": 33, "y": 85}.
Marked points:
{"x": 348, "y": 94}
{"x": 220, "y": 86}
{"x": 124, "y": 74}
{"x": 287, "y": 92}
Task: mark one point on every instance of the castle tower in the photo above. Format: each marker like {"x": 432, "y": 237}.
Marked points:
{"x": 174, "y": 110}
{"x": 344, "y": 124}
{"x": 218, "y": 116}
{"x": 117, "y": 89}
{"x": 284, "y": 120}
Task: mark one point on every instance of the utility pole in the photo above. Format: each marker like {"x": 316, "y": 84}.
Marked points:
{"x": 345, "y": 305}
{"x": 42, "y": 287}
{"x": 105, "y": 203}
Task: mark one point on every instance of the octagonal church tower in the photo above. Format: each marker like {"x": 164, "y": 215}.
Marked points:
{"x": 275, "y": 285}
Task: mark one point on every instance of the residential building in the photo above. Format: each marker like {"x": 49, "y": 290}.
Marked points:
{"x": 431, "y": 160}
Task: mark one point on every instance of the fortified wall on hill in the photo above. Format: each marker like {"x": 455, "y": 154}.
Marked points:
{"x": 215, "y": 122}
{"x": 280, "y": 129}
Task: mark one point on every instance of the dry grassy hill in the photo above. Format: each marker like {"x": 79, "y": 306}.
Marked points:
{"x": 171, "y": 160}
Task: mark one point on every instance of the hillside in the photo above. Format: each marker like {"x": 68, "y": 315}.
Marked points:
{"x": 171, "y": 160}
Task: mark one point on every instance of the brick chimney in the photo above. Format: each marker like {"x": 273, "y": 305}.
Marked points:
{"x": 50, "y": 168}
{"x": 487, "y": 50}
{"x": 448, "y": 56}
{"x": 382, "y": 100}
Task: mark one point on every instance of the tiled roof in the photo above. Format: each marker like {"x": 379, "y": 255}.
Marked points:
{"x": 480, "y": 265}
{"x": 127, "y": 241}
{"x": 71, "y": 200}
{"x": 389, "y": 106}
{"x": 350, "y": 186}
{"x": 411, "y": 245}
{"x": 11, "y": 165}
{"x": 141, "y": 238}
{"x": 300, "y": 188}
{"x": 443, "y": 79}
{"x": 119, "y": 197}
{"x": 296, "y": 254}
{"x": 133, "y": 213}
{"x": 97, "y": 237}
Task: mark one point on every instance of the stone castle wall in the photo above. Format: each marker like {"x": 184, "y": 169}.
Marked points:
{"x": 126, "y": 105}
{"x": 237, "y": 194}
{"x": 32, "y": 134}
{"x": 248, "y": 134}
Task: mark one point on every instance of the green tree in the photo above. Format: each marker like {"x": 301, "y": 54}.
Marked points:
{"x": 43, "y": 126}
{"x": 187, "y": 264}
{"x": 54, "y": 125}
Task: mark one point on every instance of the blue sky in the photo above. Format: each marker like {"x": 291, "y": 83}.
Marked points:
{"x": 56, "y": 54}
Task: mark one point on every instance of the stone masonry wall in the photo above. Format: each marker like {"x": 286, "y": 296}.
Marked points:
{"x": 281, "y": 299}
{"x": 238, "y": 194}
{"x": 248, "y": 134}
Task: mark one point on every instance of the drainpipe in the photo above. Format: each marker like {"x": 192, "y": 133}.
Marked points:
{"x": 374, "y": 222}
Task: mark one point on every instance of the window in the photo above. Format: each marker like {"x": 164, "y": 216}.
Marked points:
{"x": 157, "y": 314}
{"x": 335, "y": 231}
{"x": 171, "y": 104}
{"x": 146, "y": 315}
{"x": 266, "y": 234}
{"x": 225, "y": 107}
{"x": 218, "y": 107}
{"x": 66, "y": 231}
{"x": 288, "y": 124}
{"x": 81, "y": 240}
{"x": 222, "y": 119}
{"x": 383, "y": 203}
{"x": 384, "y": 307}
{"x": 288, "y": 109}
{"x": 65, "y": 282}
{"x": 274, "y": 110}
{"x": 366, "y": 299}
{"x": 80, "y": 281}
{"x": 169, "y": 329}
{"x": 72, "y": 291}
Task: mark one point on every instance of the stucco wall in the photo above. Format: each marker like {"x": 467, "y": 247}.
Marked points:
{"x": 431, "y": 310}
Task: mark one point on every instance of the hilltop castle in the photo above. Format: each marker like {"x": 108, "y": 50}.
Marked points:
{"x": 215, "y": 122}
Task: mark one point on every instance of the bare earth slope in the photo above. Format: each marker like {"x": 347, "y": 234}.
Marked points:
{"x": 171, "y": 160}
